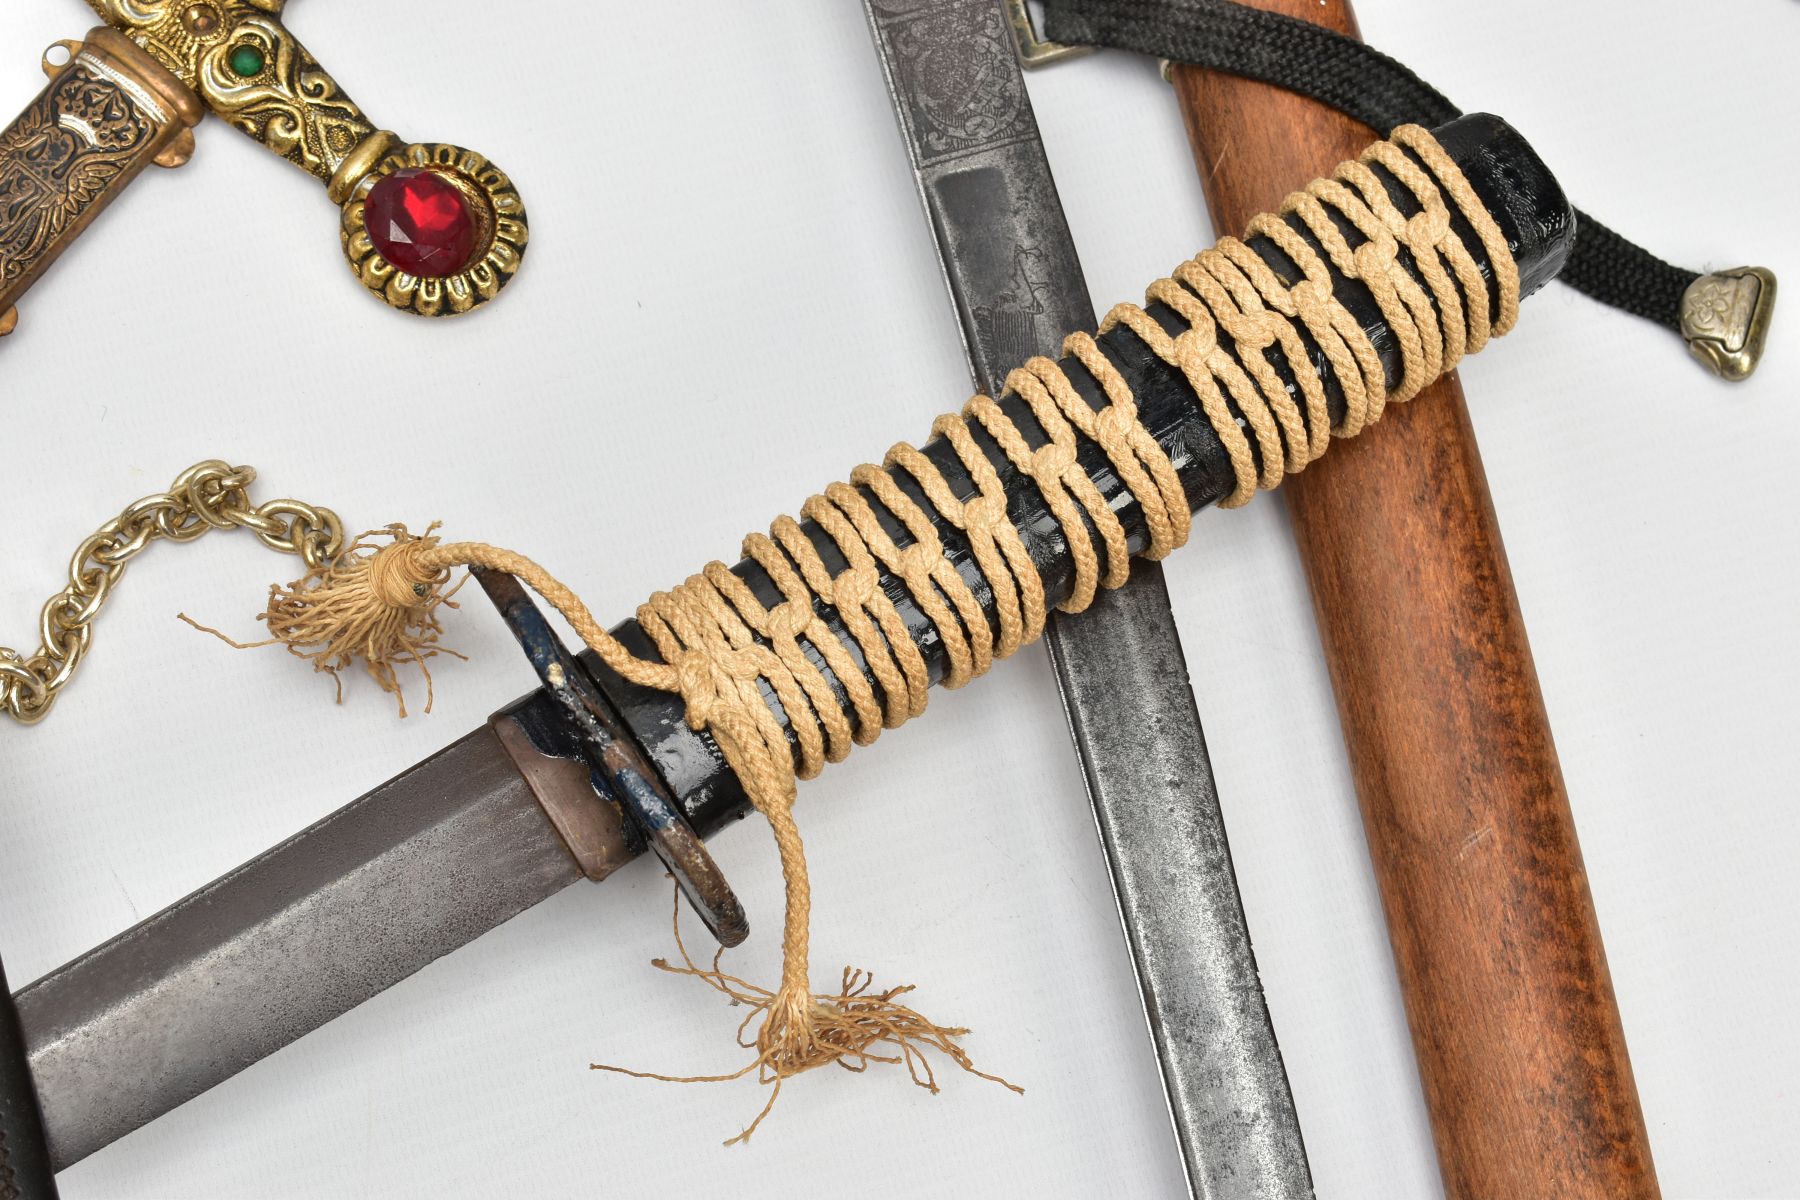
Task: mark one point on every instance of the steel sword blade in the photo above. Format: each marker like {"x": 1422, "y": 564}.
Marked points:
{"x": 1010, "y": 263}
{"x": 423, "y": 864}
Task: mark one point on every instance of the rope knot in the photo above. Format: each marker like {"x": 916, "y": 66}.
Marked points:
{"x": 1196, "y": 344}
{"x": 1113, "y": 424}
{"x": 1257, "y": 331}
{"x": 1375, "y": 258}
{"x": 790, "y": 619}
{"x": 1429, "y": 228}
{"x": 855, "y": 588}
{"x": 397, "y": 575}
{"x": 918, "y": 561}
{"x": 1052, "y": 461}
{"x": 1311, "y": 297}
{"x": 984, "y": 513}
{"x": 701, "y": 679}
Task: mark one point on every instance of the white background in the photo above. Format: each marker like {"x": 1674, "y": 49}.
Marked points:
{"x": 730, "y": 300}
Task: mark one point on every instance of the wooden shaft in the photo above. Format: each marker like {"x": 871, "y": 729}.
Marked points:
{"x": 1513, "y": 1018}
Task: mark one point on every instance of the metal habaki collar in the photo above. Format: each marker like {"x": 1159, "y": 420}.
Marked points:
{"x": 246, "y": 66}
{"x": 1725, "y": 318}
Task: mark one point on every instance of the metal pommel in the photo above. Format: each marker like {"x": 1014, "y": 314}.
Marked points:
{"x": 434, "y": 230}
{"x": 1725, "y": 318}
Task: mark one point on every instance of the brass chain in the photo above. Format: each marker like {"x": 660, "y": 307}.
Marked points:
{"x": 206, "y": 496}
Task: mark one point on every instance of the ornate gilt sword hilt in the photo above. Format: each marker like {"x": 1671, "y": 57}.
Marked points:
{"x": 432, "y": 228}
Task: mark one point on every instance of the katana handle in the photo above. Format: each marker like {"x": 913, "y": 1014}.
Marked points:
{"x": 1517, "y": 1033}
{"x": 1513, "y": 185}
{"x": 106, "y": 114}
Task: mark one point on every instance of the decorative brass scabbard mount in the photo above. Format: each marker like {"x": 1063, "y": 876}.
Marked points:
{"x": 1725, "y": 318}
{"x": 431, "y": 228}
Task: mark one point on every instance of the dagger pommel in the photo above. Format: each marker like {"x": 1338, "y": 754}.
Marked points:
{"x": 249, "y": 68}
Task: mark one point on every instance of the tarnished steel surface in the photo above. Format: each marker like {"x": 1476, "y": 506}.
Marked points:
{"x": 419, "y": 866}
{"x": 1003, "y": 242}
{"x": 1132, "y": 708}
{"x": 1011, "y": 265}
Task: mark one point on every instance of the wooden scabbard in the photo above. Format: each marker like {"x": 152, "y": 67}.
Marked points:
{"x": 1513, "y": 1017}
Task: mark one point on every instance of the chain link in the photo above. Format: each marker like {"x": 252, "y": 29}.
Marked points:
{"x": 206, "y": 496}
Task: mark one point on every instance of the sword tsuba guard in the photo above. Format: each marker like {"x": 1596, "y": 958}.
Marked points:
{"x": 605, "y": 797}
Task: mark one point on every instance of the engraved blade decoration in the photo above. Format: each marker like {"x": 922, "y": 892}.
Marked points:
{"x": 1015, "y": 280}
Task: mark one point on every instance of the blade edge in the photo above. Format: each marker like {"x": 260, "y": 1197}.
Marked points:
{"x": 1143, "y": 751}
{"x": 1149, "y": 778}
{"x": 255, "y": 960}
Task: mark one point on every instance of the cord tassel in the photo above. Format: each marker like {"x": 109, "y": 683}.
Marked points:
{"x": 373, "y": 603}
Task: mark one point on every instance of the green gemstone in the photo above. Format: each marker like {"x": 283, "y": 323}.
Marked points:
{"x": 247, "y": 61}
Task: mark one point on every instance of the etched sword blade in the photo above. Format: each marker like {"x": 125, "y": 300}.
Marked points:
{"x": 1014, "y": 277}
{"x": 334, "y": 915}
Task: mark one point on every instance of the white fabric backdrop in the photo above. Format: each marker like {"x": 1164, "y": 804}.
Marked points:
{"x": 730, "y": 300}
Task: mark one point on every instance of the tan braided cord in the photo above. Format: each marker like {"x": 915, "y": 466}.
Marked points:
{"x": 720, "y": 646}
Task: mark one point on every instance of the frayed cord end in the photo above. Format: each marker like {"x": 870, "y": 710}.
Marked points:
{"x": 376, "y": 603}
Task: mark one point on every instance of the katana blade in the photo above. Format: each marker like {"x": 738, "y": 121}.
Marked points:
{"x": 1016, "y": 282}
{"x": 307, "y": 931}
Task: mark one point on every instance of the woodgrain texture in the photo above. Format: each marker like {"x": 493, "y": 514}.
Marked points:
{"x": 1495, "y": 938}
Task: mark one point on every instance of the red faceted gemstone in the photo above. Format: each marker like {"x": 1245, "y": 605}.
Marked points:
{"x": 421, "y": 223}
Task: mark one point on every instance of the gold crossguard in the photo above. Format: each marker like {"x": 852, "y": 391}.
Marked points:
{"x": 433, "y": 229}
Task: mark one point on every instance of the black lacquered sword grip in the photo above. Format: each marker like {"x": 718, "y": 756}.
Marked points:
{"x": 1507, "y": 175}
